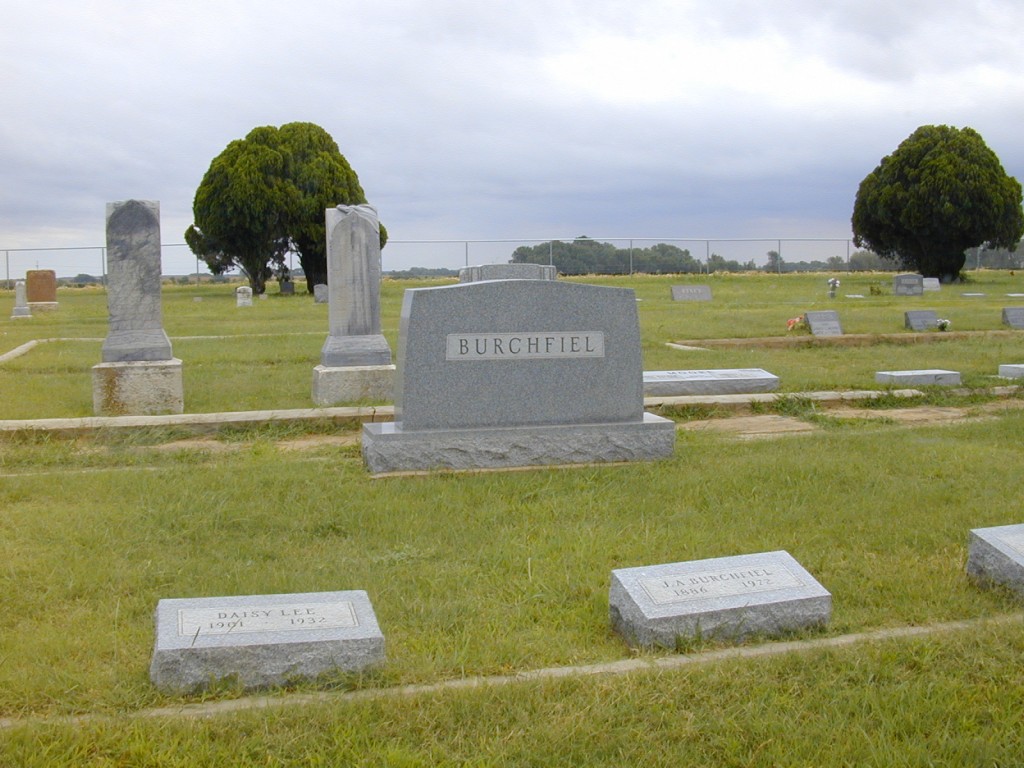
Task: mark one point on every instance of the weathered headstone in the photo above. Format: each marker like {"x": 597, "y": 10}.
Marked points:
{"x": 138, "y": 375}
{"x": 1014, "y": 317}
{"x": 287, "y": 288}
{"x": 519, "y": 271}
{"x": 691, "y": 293}
{"x": 243, "y": 296}
{"x": 921, "y": 320}
{"x": 824, "y": 323}
{"x": 996, "y": 556}
{"x": 355, "y": 361}
{"x": 725, "y": 381}
{"x": 21, "y": 308}
{"x": 931, "y": 284}
{"x": 764, "y": 594}
{"x": 320, "y": 294}
{"x": 908, "y": 285}
{"x": 262, "y": 640}
{"x": 1012, "y": 371}
{"x": 517, "y": 373}
{"x": 925, "y": 377}
{"x": 41, "y": 289}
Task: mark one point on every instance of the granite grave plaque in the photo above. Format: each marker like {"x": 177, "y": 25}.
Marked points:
{"x": 691, "y": 293}
{"x": 824, "y": 323}
{"x": 1012, "y": 371}
{"x": 908, "y": 285}
{"x": 931, "y": 284}
{"x": 764, "y": 594}
{"x": 517, "y": 373}
{"x": 925, "y": 377}
{"x": 921, "y": 320}
{"x": 996, "y": 556}
{"x": 262, "y": 640}
{"x": 724, "y": 381}
{"x": 1014, "y": 317}
{"x": 518, "y": 271}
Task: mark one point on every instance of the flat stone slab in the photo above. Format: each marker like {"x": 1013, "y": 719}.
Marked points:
{"x": 824, "y": 323}
{"x": 353, "y": 384}
{"x": 764, "y": 594}
{"x": 1014, "y": 317}
{"x": 932, "y": 376}
{"x": 262, "y": 640}
{"x": 138, "y": 388}
{"x": 996, "y": 556}
{"x": 1011, "y": 371}
{"x": 691, "y": 293}
{"x": 724, "y": 381}
{"x": 389, "y": 448}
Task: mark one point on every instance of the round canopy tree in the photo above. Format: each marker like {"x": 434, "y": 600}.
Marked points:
{"x": 941, "y": 192}
{"x": 266, "y": 194}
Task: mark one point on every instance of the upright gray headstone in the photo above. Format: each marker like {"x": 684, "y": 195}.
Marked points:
{"x": 908, "y": 285}
{"x": 931, "y": 284}
{"x": 691, "y": 293}
{"x": 996, "y": 556}
{"x": 516, "y": 373}
{"x": 138, "y": 375}
{"x": 353, "y": 279}
{"x": 320, "y": 294}
{"x": 21, "y": 308}
{"x": 1014, "y": 317}
{"x": 262, "y": 640}
{"x": 824, "y": 323}
{"x": 921, "y": 320}
{"x": 133, "y": 284}
{"x": 763, "y": 594}
{"x": 518, "y": 271}
{"x": 243, "y": 296}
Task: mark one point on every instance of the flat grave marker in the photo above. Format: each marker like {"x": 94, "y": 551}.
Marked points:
{"x": 262, "y": 640}
{"x": 691, "y": 293}
{"x": 824, "y": 322}
{"x": 723, "y": 381}
{"x": 925, "y": 377}
{"x": 921, "y": 320}
{"x": 1014, "y": 317}
{"x": 764, "y": 594}
{"x": 996, "y": 556}
{"x": 1011, "y": 371}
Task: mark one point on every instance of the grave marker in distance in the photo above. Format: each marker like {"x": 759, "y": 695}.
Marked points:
{"x": 996, "y": 556}
{"x": 764, "y": 594}
{"x": 908, "y": 285}
{"x": 725, "y": 381}
{"x": 921, "y": 320}
{"x": 1014, "y": 317}
{"x": 824, "y": 323}
{"x": 691, "y": 293}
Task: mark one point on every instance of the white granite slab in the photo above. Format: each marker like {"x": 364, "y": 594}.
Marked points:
{"x": 996, "y": 556}
{"x": 932, "y": 376}
{"x": 723, "y": 381}
{"x": 1011, "y": 371}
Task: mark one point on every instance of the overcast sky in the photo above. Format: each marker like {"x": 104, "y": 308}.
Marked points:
{"x": 474, "y": 120}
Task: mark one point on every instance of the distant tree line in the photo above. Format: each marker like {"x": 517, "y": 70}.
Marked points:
{"x": 421, "y": 272}
{"x": 584, "y": 256}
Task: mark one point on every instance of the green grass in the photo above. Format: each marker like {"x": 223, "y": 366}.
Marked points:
{"x": 500, "y": 573}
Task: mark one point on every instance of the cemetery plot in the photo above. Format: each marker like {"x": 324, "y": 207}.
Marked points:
{"x": 763, "y": 594}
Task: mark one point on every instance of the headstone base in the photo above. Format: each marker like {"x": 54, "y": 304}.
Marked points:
{"x": 348, "y": 351}
{"x": 42, "y": 306}
{"x": 263, "y": 640}
{"x": 929, "y": 377}
{"x": 19, "y": 312}
{"x": 1011, "y": 371}
{"x": 386, "y": 448}
{"x": 137, "y": 388}
{"x": 996, "y": 556}
{"x": 353, "y": 384}
{"x": 764, "y": 594}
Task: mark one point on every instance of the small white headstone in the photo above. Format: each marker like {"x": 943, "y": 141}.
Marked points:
{"x": 243, "y": 296}
{"x": 932, "y": 284}
{"x": 767, "y": 594}
{"x": 21, "y": 308}
{"x": 321, "y": 294}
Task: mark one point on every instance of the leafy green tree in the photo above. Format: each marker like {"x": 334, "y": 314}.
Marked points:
{"x": 265, "y": 195}
{"x": 941, "y": 192}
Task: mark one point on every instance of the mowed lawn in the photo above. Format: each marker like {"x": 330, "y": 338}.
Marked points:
{"x": 502, "y": 574}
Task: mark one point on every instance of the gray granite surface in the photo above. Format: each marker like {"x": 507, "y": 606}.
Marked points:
{"x": 724, "y": 381}
{"x": 824, "y": 322}
{"x": 519, "y": 271}
{"x": 1014, "y": 317}
{"x": 1012, "y": 371}
{"x": 926, "y": 377}
{"x": 996, "y": 556}
{"x": 764, "y": 594}
{"x": 263, "y": 640}
{"x": 908, "y": 285}
{"x": 21, "y": 308}
{"x": 691, "y": 293}
{"x": 921, "y": 320}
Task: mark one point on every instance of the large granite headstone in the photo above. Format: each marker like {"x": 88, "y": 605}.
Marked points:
{"x": 21, "y": 308}
{"x": 935, "y": 377}
{"x": 519, "y": 271}
{"x": 1014, "y": 317}
{"x": 764, "y": 594}
{"x": 996, "y": 556}
{"x": 824, "y": 323}
{"x": 921, "y": 320}
{"x": 262, "y": 640}
{"x": 41, "y": 289}
{"x": 138, "y": 375}
{"x": 908, "y": 285}
{"x": 724, "y": 381}
{"x": 355, "y": 361}
{"x": 511, "y": 373}
{"x": 691, "y": 293}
